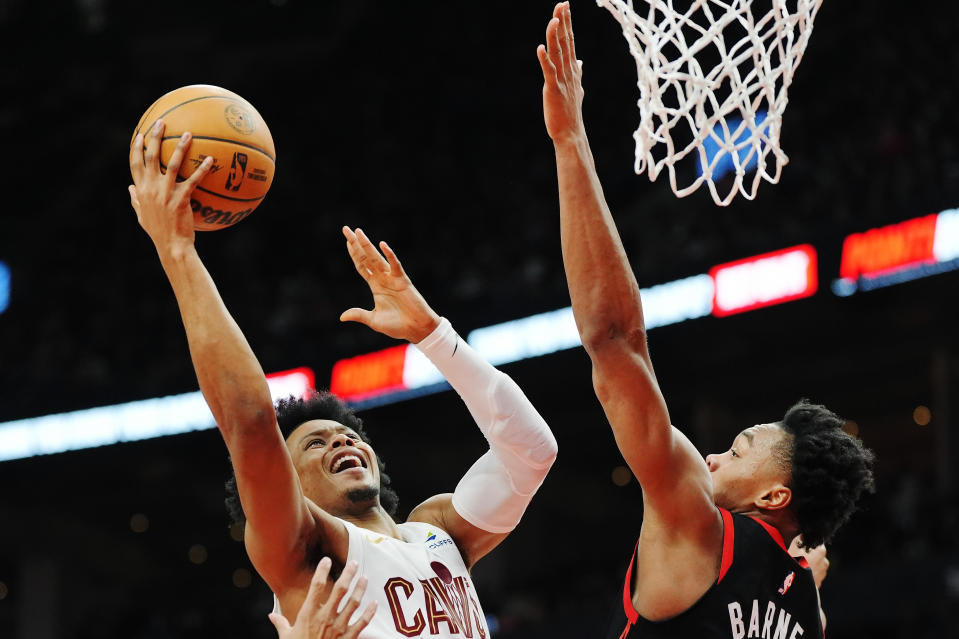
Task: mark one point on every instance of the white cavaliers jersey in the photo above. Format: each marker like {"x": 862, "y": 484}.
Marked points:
{"x": 420, "y": 583}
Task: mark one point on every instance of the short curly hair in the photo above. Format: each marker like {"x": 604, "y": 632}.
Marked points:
{"x": 830, "y": 470}
{"x": 292, "y": 412}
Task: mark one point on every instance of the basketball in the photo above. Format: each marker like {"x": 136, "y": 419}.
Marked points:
{"x": 227, "y": 128}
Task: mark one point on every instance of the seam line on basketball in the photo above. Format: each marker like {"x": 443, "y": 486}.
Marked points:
{"x": 237, "y": 142}
{"x": 227, "y": 197}
{"x": 202, "y": 97}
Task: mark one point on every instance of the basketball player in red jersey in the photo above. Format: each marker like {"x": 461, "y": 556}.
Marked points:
{"x": 308, "y": 480}
{"x": 711, "y": 559}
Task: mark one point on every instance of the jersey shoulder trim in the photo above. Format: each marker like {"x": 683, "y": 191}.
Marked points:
{"x": 775, "y": 534}
{"x": 729, "y": 539}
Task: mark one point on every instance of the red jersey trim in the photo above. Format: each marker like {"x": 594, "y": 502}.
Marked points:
{"x": 729, "y": 538}
{"x": 775, "y": 534}
{"x": 631, "y": 613}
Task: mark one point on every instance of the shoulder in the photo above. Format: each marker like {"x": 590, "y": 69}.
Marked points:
{"x": 435, "y": 511}
{"x": 472, "y": 541}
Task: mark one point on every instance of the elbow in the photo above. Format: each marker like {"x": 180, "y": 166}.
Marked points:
{"x": 603, "y": 336}
{"x": 548, "y": 451}
{"x": 247, "y": 420}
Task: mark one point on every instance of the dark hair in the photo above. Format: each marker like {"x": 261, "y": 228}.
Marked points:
{"x": 830, "y": 470}
{"x": 293, "y": 412}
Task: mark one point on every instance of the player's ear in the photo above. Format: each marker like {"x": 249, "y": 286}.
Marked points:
{"x": 776, "y": 498}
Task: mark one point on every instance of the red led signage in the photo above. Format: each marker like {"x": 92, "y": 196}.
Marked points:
{"x": 764, "y": 280}
{"x": 889, "y": 247}
{"x": 373, "y": 373}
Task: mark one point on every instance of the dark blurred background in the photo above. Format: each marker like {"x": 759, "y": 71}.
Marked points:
{"x": 421, "y": 122}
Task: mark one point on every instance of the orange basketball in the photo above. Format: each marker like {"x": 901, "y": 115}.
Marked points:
{"x": 226, "y": 127}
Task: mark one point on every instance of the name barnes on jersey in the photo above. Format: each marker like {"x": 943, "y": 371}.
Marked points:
{"x": 741, "y": 628}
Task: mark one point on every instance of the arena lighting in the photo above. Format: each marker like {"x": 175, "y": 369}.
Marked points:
{"x": 402, "y": 371}
{"x": 897, "y": 253}
{"x": 764, "y": 280}
{"x": 128, "y": 422}
{"x": 4, "y": 287}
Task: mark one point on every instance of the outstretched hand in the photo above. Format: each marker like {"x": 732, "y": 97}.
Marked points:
{"x": 398, "y": 308}
{"x": 563, "y": 74}
{"x": 162, "y": 205}
{"x": 320, "y": 620}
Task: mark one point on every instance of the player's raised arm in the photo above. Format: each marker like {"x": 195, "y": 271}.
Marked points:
{"x": 608, "y": 309}
{"x": 491, "y": 498}
{"x": 230, "y": 377}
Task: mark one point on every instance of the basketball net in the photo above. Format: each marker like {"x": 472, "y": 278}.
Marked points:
{"x": 712, "y": 81}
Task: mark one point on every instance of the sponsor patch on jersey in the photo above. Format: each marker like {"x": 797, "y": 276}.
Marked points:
{"x": 433, "y": 542}
{"x": 787, "y": 582}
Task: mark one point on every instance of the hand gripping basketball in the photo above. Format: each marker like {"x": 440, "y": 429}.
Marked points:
{"x": 227, "y": 128}
{"x": 161, "y": 203}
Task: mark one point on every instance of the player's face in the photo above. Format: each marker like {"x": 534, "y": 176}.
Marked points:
{"x": 749, "y": 471}
{"x": 336, "y": 467}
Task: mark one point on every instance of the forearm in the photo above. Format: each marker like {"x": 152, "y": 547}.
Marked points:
{"x": 230, "y": 377}
{"x": 497, "y": 489}
{"x": 603, "y": 290}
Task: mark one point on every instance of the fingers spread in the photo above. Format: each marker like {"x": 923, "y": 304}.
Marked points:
{"x": 568, "y": 29}
{"x": 133, "y": 198}
{"x": 153, "y": 146}
{"x": 366, "y": 246}
{"x": 343, "y": 617}
{"x": 362, "y": 622}
{"x": 319, "y": 578}
{"x": 136, "y": 158}
{"x": 339, "y": 588}
{"x": 549, "y": 71}
{"x": 357, "y": 255}
{"x": 357, "y": 315}
{"x": 559, "y": 56}
{"x": 190, "y": 183}
{"x": 173, "y": 168}
{"x": 280, "y": 623}
{"x": 391, "y": 259}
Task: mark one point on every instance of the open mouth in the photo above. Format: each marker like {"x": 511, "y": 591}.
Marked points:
{"x": 345, "y": 461}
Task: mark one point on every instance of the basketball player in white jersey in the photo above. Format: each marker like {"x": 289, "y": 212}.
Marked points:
{"x": 315, "y": 490}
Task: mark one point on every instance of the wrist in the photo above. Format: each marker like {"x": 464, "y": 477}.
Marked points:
{"x": 574, "y": 140}
{"x": 174, "y": 251}
{"x": 425, "y": 328}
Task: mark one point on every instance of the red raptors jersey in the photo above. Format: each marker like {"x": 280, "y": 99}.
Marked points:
{"x": 761, "y": 593}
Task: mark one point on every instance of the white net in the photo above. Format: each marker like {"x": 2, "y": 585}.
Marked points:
{"x": 712, "y": 78}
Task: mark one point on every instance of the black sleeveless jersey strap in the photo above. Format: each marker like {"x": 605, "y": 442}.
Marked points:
{"x": 761, "y": 592}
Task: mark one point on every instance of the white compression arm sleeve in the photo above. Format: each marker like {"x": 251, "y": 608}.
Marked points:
{"x": 495, "y": 491}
